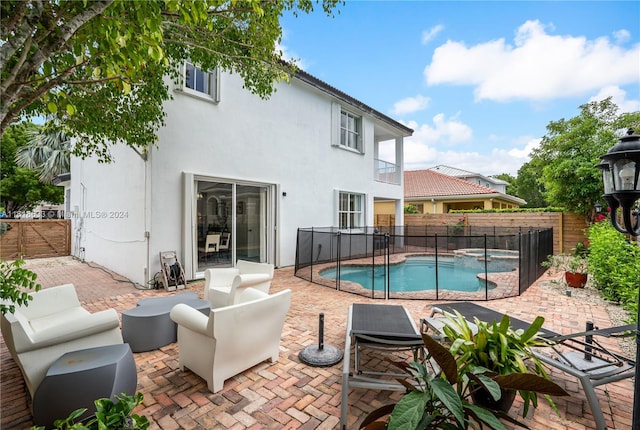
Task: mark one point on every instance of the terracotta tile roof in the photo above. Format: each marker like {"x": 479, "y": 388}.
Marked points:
{"x": 428, "y": 183}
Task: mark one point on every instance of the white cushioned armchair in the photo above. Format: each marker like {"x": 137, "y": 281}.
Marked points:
{"x": 231, "y": 339}
{"x": 52, "y": 324}
{"x": 225, "y": 286}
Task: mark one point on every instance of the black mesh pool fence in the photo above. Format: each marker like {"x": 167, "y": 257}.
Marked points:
{"x": 424, "y": 262}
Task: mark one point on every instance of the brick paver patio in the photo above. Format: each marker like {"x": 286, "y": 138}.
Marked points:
{"x": 289, "y": 394}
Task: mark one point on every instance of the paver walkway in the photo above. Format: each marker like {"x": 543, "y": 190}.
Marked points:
{"x": 289, "y": 394}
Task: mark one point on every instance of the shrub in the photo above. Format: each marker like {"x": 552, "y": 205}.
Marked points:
{"x": 614, "y": 265}
{"x": 15, "y": 283}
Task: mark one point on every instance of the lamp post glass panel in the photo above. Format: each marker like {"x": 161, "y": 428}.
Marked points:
{"x": 621, "y": 177}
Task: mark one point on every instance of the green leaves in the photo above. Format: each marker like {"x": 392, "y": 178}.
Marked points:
{"x": 103, "y": 58}
{"x": 564, "y": 162}
{"x": 15, "y": 284}
{"x": 614, "y": 265}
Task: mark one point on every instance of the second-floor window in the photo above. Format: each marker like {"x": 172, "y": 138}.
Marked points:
{"x": 350, "y": 130}
{"x": 200, "y": 82}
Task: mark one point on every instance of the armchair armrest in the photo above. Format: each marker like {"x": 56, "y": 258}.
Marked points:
{"x": 249, "y": 280}
{"x": 191, "y": 318}
{"x": 70, "y": 330}
{"x": 219, "y": 277}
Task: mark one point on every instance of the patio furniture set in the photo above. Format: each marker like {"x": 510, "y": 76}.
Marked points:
{"x": 58, "y": 344}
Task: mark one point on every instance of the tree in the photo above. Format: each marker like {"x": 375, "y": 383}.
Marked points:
{"x": 94, "y": 64}
{"x": 529, "y": 185}
{"x": 20, "y": 189}
{"x": 570, "y": 150}
{"x": 47, "y": 152}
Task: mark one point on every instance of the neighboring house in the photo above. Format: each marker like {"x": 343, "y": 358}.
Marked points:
{"x": 475, "y": 178}
{"x": 230, "y": 164}
{"x": 433, "y": 192}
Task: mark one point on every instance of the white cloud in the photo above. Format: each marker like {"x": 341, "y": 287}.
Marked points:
{"x": 410, "y": 105}
{"x": 537, "y": 66}
{"x": 443, "y": 131}
{"x": 428, "y": 35}
{"x": 621, "y": 36}
{"x": 424, "y": 149}
{"x": 618, "y": 96}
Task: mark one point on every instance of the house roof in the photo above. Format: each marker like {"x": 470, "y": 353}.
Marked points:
{"x": 62, "y": 178}
{"x": 334, "y": 92}
{"x": 460, "y": 173}
{"x": 431, "y": 184}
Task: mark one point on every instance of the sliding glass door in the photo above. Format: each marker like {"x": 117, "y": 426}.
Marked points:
{"x": 251, "y": 202}
{"x": 231, "y": 221}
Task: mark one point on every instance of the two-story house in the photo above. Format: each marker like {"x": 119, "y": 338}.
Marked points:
{"x": 229, "y": 164}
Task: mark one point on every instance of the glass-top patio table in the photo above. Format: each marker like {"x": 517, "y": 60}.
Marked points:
{"x": 375, "y": 327}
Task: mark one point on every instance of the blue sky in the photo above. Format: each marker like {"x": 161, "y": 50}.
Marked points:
{"x": 478, "y": 81}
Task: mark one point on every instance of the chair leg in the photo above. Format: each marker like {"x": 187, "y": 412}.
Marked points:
{"x": 594, "y": 403}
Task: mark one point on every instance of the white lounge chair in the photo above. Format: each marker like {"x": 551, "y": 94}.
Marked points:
{"x": 52, "y": 324}
{"x": 225, "y": 286}
{"x": 231, "y": 339}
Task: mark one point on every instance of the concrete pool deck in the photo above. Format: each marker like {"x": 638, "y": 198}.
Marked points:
{"x": 289, "y": 394}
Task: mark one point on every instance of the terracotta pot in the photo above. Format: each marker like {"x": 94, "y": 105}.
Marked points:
{"x": 575, "y": 280}
{"x": 481, "y": 397}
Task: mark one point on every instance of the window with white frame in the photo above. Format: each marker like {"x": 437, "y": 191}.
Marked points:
{"x": 350, "y": 130}
{"x": 201, "y": 83}
{"x": 350, "y": 210}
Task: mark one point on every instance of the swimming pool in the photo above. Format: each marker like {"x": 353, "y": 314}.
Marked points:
{"x": 414, "y": 274}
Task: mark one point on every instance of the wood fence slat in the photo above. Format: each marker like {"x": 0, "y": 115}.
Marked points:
{"x": 568, "y": 228}
{"x": 35, "y": 239}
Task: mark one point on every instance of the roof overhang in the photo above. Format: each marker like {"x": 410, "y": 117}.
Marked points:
{"x": 62, "y": 179}
{"x": 493, "y": 196}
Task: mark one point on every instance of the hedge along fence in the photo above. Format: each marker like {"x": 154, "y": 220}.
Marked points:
{"x": 568, "y": 228}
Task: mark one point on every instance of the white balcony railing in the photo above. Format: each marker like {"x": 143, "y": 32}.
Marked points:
{"x": 387, "y": 172}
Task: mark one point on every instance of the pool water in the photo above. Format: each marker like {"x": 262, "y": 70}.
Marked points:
{"x": 415, "y": 274}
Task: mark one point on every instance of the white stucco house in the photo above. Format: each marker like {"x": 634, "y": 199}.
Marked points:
{"x": 473, "y": 177}
{"x": 229, "y": 163}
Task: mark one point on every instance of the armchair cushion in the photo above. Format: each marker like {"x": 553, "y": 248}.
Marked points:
{"x": 52, "y": 324}
{"x": 233, "y": 338}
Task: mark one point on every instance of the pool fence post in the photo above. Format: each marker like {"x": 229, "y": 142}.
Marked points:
{"x": 311, "y": 252}
{"x": 486, "y": 274}
{"x": 437, "y": 265}
{"x": 388, "y": 275}
{"x": 339, "y": 245}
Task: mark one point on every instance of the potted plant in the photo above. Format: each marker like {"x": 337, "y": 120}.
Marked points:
{"x": 575, "y": 266}
{"x": 503, "y": 354}
{"x": 442, "y": 399}
{"x": 116, "y": 415}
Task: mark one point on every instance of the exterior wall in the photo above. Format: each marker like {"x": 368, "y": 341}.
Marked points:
{"x": 284, "y": 141}
{"x": 385, "y": 208}
{"x": 444, "y": 206}
{"x": 107, "y": 212}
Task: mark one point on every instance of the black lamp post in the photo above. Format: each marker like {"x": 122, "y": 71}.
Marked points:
{"x": 621, "y": 176}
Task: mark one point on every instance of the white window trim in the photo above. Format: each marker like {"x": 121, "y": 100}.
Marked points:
{"x": 363, "y": 212}
{"x": 214, "y": 75}
{"x": 336, "y": 113}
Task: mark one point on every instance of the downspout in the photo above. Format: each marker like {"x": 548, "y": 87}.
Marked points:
{"x": 147, "y": 214}
{"x": 147, "y": 218}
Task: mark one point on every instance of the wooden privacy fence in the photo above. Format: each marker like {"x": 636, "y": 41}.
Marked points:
{"x": 34, "y": 238}
{"x": 568, "y": 228}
